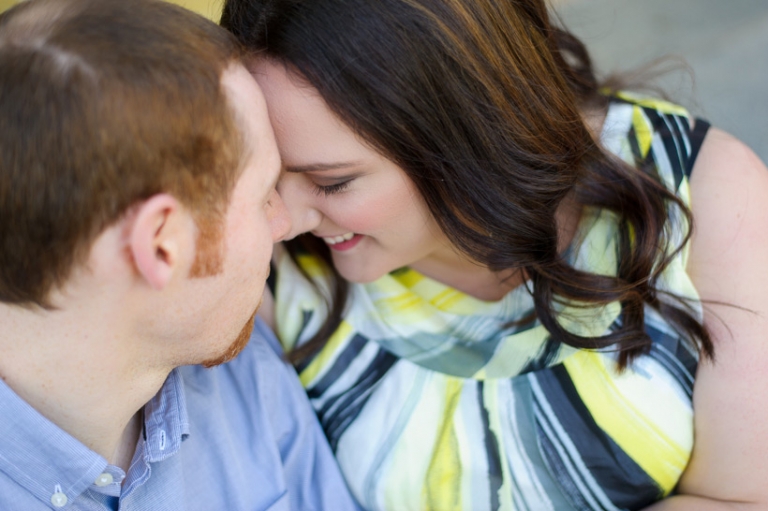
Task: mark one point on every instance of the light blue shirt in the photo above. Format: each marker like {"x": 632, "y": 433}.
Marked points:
{"x": 241, "y": 436}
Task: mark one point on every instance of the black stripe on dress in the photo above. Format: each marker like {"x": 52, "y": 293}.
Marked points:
{"x": 350, "y": 352}
{"x": 698, "y": 135}
{"x": 340, "y": 411}
{"x": 495, "y": 477}
{"x": 678, "y": 361}
{"x": 662, "y": 126}
{"x": 556, "y": 464}
{"x": 622, "y": 480}
{"x": 644, "y": 162}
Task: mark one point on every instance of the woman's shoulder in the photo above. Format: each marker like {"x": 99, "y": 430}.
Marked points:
{"x": 729, "y": 199}
{"x": 725, "y": 158}
{"x": 728, "y": 262}
{"x": 729, "y": 247}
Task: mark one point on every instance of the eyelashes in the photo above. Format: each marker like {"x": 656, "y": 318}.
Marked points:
{"x": 331, "y": 189}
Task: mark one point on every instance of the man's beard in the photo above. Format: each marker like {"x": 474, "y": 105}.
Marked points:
{"x": 237, "y": 346}
{"x": 208, "y": 262}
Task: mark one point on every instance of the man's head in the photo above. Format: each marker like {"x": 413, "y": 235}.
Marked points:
{"x": 123, "y": 112}
{"x": 103, "y": 105}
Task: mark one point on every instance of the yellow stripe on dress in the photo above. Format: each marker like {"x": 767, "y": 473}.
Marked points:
{"x": 650, "y": 424}
{"x": 643, "y": 130}
{"x": 448, "y": 301}
{"x": 327, "y": 354}
{"x": 313, "y": 266}
{"x": 438, "y": 295}
{"x": 408, "y": 460}
{"x": 408, "y": 277}
{"x": 654, "y": 103}
{"x": 403, "y": 303}
{"x": 442, "y": 485}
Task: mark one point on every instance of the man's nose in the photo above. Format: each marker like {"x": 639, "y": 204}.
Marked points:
{"x": 279, "y": 220}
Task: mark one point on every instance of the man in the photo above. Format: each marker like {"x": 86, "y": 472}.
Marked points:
{"x": 137, "y": 217}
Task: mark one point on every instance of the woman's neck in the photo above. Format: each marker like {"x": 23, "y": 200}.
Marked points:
{"x": 459, "y": 272}
{"x": 473, "y": 278}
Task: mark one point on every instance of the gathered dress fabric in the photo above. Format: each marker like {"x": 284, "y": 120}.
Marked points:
{"x": 434, "y": 400}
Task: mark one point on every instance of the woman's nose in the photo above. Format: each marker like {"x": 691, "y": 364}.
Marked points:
{"x": 297, "y": 198}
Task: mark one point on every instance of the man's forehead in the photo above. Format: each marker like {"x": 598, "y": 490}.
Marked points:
{"x": 250, "y": 111}
{"x": 245, "y": 99}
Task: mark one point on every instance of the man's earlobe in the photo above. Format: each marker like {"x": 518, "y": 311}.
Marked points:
{"x": 158, "y": 238}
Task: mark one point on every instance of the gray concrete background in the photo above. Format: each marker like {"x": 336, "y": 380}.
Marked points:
{"x": 724, "y": 42}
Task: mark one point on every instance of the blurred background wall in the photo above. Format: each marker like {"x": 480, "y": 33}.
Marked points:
{"x": 209, "y": 8}
{"x": 724, "y": 43}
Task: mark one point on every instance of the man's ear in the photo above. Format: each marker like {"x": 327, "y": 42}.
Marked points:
{"x": 160, "y": 237}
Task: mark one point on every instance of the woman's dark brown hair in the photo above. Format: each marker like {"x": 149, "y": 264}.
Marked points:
{"x": 481, "y": 102}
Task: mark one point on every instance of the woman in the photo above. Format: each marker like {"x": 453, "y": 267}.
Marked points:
{"x": 499, "y": 301}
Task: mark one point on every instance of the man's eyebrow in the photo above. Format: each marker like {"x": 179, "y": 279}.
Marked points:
{"x": 321, "y": 166}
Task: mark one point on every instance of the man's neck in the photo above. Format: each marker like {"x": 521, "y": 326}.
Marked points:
{"x": 126, "y": 447}
{"x": 80, "y": 376}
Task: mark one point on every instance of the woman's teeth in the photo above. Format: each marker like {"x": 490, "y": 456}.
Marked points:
{"x": 339, "y": 239}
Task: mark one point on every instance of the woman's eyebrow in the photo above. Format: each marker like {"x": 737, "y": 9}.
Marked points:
{"x": 321, "y": 166}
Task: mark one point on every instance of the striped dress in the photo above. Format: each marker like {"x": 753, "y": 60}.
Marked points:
{"x": 432, "y": 402}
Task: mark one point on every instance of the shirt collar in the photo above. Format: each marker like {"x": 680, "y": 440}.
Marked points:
{"x": 44, "y": 459}
{"x": 166, "y": 421}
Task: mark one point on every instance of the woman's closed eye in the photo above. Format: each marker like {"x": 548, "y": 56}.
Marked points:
{"x": 332, "y": 189}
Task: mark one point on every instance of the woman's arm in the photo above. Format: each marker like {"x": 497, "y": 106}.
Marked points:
{"x": 729, "y": 264}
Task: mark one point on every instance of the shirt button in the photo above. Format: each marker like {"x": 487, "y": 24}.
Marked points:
{"x": 104, "y": 479}
{"x": 59, "y": 500}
